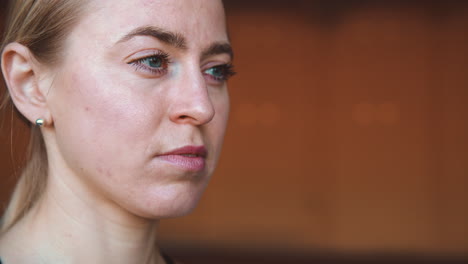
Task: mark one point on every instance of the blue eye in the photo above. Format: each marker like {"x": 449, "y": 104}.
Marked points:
{"x": 221, "y": 73}
{"x": 217, "y": 72}
{"x": 153, "y": 62}
{"x": 156, "y": 64}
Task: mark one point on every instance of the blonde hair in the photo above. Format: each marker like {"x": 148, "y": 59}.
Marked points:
{"x": 41, "y": 26}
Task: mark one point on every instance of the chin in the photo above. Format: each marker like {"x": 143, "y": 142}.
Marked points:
{"x": 175, "y": 210}
{"x": 169, "y": 204}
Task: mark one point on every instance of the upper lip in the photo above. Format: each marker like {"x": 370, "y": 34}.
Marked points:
{"x": 188, "y": 150}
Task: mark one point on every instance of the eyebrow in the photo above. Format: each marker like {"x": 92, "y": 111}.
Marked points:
{"x": 218, "y": 48}
{"x": 170, "y": 38}
{"x": 177, "y": 40}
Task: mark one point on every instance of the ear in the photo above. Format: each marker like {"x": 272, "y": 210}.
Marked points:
{"x": 20, "y": 71}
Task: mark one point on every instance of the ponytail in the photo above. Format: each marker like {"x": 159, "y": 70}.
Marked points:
{"x": 41, "y": 26}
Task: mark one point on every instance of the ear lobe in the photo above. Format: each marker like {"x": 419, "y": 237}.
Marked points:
{"x": 21, "y": 77}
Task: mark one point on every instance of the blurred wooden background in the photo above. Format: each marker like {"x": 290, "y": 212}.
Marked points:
{"x": 348, "y": 131}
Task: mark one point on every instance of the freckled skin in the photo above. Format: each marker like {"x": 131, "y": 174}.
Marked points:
{"x": 110, "y": 121}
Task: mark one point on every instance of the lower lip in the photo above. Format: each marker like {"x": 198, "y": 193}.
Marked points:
{"x": 184, "y": 162}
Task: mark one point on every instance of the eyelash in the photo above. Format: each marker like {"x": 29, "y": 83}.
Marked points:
{"x": 227, "y": 70}
{"x": 161, "y": 56}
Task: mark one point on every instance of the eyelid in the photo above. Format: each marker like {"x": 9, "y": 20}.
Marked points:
{"x": 227, "y": 73}
{"x": 145, "y": 54}
{"x": 214, "y": 63}
{"x": 141, "y": 67}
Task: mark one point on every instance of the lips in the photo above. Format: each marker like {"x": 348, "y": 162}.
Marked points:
{"x": 190, "y": 158}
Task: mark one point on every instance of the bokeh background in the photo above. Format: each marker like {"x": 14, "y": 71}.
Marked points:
{"x": 347, "y": 143}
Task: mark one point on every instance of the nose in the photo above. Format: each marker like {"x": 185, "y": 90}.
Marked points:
{"x": 191, "y": 102}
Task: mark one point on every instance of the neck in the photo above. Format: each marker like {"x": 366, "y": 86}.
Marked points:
{"x": 69, "y": 226}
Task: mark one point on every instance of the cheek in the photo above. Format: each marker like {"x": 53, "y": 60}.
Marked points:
{"x": 222, "y": 108}
{"x": 219, "y": 123}
{"x": 97, "y": 118}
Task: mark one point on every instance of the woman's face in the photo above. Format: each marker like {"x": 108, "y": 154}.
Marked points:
{"x": 140, "y": 103}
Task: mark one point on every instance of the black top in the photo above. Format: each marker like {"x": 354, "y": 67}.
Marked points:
{"x": 166, "y": 258}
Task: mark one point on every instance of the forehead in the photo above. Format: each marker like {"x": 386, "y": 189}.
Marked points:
{"x": 199, "y": 21}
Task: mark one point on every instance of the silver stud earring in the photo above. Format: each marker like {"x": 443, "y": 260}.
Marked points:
{"x": 39, "y": 122}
